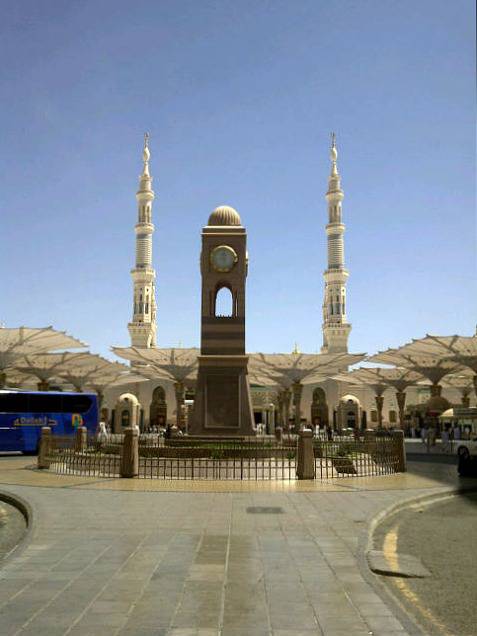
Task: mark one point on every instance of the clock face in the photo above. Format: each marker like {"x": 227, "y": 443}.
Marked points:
{"x": 223, "y": 258}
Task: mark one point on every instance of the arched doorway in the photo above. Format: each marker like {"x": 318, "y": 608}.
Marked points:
{"x": 349, "y": 412}
{"x": 319, "y": 408}
{"x": 158, "y": 408}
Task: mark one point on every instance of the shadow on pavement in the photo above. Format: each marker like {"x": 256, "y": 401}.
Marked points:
{"x": 442, "y": 468}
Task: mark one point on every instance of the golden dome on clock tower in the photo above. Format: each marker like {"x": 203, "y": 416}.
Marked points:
{"x": 224, "y": 215}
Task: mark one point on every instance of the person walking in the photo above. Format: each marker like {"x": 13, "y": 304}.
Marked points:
{"x": 424, "y": 434}
{"x": 451, "y": 438}
{"x": 445, "y": 440}
{"x": 102, "y": 434}
{"x": 431, "y": 438}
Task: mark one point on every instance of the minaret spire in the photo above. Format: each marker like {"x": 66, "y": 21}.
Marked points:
{"x": 142, "y": 328}
{"x": 335, "y": 327}
{"x": 146, "y": 155}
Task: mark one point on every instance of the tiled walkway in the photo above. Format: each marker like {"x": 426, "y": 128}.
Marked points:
{"x": 103, "y": 561}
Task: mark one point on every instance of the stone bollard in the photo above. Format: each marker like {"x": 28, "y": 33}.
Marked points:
{"x": 130, "y": 453}
{"x": 400, "y": 449}
{"x": 306, "y": 459}
{"x": 45, "y": 446}
{"x": 278, "y": 434}
{"x": 81, "y": 439}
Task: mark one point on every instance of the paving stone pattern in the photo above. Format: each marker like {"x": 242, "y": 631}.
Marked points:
{"x": 193, "y": 564}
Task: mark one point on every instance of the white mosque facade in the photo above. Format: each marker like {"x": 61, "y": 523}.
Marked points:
{"x": 345, "y": 404}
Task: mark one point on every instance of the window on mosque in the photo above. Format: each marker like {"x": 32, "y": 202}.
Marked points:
{"x": 392, "y": 417}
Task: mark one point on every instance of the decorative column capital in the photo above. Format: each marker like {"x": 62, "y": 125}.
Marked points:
{"x": 436, "y": 390}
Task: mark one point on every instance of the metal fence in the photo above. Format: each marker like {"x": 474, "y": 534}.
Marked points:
{"x": 202, "y": 459}
{"x": 256, "y": 459}
{"x": 364, "y": 457}
{"x": 96, "y": 460}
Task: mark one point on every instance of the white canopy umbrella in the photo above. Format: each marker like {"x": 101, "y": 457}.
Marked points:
{"x": 17, "y": 380}
{"x": 20, "y": 341}
{"x": 78, "y": 371}
{"x": 302, "y": 368}
{"x": 430, "y": 365}
{"x": 46, "y": 366}
{"x": 175, "y": 364}
{"x": 461, "y": 350}
{"x": 463, "y": 382}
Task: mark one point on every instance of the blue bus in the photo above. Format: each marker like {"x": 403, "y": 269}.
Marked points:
{"x": 23, "y": 413}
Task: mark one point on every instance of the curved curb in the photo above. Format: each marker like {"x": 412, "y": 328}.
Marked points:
{"x": 405, "y": 503}
{"x": 26, "y": 510}
{"x": 366, "y": 543}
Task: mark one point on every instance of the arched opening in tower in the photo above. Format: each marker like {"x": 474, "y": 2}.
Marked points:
{"x": 224, "y": 305}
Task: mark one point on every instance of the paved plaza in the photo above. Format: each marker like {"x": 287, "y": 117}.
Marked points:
{"x": 107, "y": 557}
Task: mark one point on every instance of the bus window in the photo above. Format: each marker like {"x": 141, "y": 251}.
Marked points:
{"x": 44, "y": 403}
{"x": 13, "y": 402}
{"x": 77, "y": 403}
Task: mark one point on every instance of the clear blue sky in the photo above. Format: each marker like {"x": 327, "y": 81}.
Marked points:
{"x": 239, "y": 98}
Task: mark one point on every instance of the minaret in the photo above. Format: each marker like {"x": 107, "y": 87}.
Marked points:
{"x": 335, "y": 327}
{"x": 142, "y": 328}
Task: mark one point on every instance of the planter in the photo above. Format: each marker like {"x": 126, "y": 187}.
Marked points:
{"x": 343, "y": 465}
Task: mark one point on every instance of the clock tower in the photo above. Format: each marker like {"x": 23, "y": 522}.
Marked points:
{"x": 222, "y": 404}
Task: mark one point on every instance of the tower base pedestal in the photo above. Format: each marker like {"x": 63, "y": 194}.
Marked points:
{"x": 222, "y": 405}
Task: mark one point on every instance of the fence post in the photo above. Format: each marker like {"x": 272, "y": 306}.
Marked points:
{"x": 130, "y": 453}
{"x": 45, "y": 446}
{"x": 400, "y": 448}
{"x": 306, "y": 459}
{"x": 81, "y": 439}
{"x": 278, "y": 434}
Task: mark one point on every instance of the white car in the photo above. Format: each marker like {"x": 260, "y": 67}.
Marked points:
{"x": 466, "y": 456}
